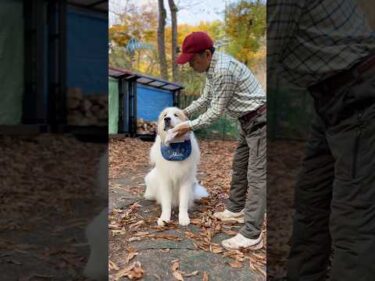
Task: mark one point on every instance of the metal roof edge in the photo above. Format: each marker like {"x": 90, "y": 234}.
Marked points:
{"x": 126, "y": 72}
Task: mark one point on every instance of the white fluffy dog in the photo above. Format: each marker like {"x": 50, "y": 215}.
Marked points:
{"x": 172, "y": 182}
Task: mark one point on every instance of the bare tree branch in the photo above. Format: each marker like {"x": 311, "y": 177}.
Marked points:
{"x": 174, "y": 10}
{"x": 161, "y": 40}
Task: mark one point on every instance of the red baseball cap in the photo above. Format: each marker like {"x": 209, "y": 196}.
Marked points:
{"x": 194, "y": 43}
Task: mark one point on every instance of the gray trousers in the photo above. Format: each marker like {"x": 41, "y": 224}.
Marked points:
{"x": 335, "y": 192}
{"x": 248, "y": 186}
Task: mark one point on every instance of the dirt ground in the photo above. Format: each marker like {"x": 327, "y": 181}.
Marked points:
{"x": 283, "y": 164}
{"x": 47, "y": 197}
{"x": 139, "y": 248}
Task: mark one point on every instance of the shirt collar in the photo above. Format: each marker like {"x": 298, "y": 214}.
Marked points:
{"x": 214, "y": 59}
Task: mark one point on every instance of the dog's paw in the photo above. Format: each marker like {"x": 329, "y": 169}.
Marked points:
{"x": 162, "y": 221}
{"x": 184, "y": 220}
{"x": 149, "y": 196}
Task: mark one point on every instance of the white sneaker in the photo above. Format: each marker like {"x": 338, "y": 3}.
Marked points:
{"x": 227, "y": 215}
{"x": 240, "y": 241}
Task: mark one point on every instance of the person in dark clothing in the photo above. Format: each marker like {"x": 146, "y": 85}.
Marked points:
{"x": 327, "y": 47}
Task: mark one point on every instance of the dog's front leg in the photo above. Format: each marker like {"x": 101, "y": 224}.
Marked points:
{"x": 184, "y": 196}
{"x": 166, "y": 206}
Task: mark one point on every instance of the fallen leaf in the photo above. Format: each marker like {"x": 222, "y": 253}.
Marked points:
{"x": 235, "y": 264}
{"x": 196, "y": 221}
{"x": 144, "y": 233}
{"x": 114, "y": 232}
{"x": 205, "y": 276}
{"x": 130, "y": 256}
{"x": 189, "y": 234}
{"x": 164, "y": 236}
{"x": 216, "y": 249}
{"x": 157, "y": 276}
{"x": 133, "y": 272}
{"x": 194, "y": 273}
{"x": 252, "y": 266}
{"x": 175, "y": 265}
{"x": 136, "y": 225}
{"x": 131, "y": 239}
{"x": 178, "y": 275}
{"x": 112, "y": 265}
{"x": 229, "y": 232}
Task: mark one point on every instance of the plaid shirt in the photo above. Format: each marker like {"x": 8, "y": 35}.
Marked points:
{"x": 309, "y": 41}
{"x": 230, "y": 88}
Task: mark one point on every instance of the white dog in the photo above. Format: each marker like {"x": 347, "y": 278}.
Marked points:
{"x": 172, "y": 182}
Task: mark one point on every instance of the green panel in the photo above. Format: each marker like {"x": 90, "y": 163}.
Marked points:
{"x": 11, "y": 61}
{"x": 289, "y": 114}
{"x": 225, "y": 128}
{"x": 113, "y": 106}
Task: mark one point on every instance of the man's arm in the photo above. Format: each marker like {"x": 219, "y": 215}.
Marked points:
{"x": 200, "y": 104}
{"x": 283, "y": 18}
{"x": 222, "y": 92}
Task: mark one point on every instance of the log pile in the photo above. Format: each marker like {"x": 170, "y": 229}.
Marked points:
{"x": 86, "y": 110}
{"x": 146, "y": 127}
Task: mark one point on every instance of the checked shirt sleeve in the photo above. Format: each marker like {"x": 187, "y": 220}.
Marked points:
{"x": 200, "y": 104}
{"x": 222, "y": 91}
{"x": 283, "y": 17}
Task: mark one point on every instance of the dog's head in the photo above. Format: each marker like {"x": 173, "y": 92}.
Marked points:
{"x": 168, "y": 119}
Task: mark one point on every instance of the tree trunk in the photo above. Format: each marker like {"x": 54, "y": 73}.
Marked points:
{"x": 161, "y": 41}
{"x": 174, "y": 10}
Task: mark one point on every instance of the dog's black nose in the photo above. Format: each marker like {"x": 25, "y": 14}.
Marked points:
{"x": 167, "y": 119}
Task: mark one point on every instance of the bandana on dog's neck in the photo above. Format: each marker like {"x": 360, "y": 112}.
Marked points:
{"x": 177, "y": 151}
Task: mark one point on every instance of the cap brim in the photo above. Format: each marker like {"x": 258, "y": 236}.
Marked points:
{"x": 184, "y": 58}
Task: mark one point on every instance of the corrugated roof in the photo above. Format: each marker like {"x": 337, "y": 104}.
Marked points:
{"x": 143, "y": 79}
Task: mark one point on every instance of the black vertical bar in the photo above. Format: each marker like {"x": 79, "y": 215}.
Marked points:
{"x": 121, "y": 107}
{"x": 175, "y": 102}
{"x": 131, "y": 107}
{"x": 34, "y": 105}
{"x": 135, "y": 113}
{"x": 53, "y": 37}
{"x": 57, "y": 110}
{"x": 61, "y": 95}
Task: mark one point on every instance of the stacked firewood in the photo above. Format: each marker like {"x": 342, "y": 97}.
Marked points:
{"x": 86, "y": 110}
{"x": 146, "y": 127}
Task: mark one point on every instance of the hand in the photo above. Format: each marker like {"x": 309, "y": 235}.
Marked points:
{"x": 182, "y": 129}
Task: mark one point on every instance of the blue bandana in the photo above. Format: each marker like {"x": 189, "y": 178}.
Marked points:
{"x": 178, "y": 151}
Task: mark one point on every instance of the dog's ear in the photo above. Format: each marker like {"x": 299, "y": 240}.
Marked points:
{"x": 160, "y": 127}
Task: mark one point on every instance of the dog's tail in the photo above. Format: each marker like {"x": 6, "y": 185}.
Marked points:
{"x": 199, "y": 191}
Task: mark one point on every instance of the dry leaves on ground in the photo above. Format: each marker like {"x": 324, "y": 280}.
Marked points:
{"x": 132, "y": 272}
{"x": 214, "y": 173}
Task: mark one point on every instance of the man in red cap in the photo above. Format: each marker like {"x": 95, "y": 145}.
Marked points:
{"x": 233, "y": 89}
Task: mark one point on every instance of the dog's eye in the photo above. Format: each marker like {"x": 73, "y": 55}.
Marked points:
{"x": 176, "y": 115}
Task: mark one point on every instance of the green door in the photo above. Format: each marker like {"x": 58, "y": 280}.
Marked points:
{"x": 11, "y": 61}
{"x": 113, "y": 106}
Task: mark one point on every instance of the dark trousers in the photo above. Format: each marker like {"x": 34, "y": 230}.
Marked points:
{"x": 335, "y": 192}
{"x": 248, "y": 186}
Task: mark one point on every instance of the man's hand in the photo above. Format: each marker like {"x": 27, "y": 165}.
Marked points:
{"x": 186, "y": 114}
{"x": 182, "y": 129}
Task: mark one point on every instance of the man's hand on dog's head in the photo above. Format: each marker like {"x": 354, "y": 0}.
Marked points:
{"x": 182, "y": 129}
